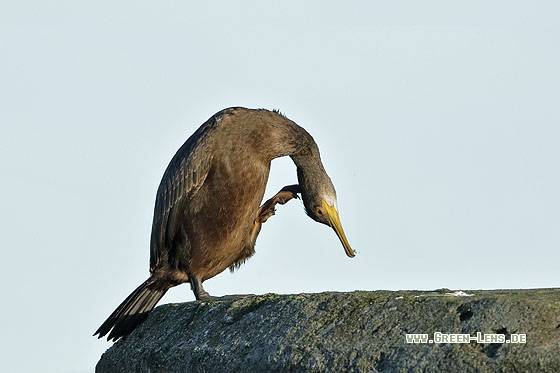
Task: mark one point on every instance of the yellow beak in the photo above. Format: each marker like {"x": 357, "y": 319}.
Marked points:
{"x": 337, "y": 226}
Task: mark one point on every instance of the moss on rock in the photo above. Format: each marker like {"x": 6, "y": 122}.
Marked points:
{"x": 359, "y": 331}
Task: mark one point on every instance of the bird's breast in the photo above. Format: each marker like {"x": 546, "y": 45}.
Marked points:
{"x": 223, "y": 213}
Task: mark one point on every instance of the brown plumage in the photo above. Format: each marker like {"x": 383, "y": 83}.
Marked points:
{"x": 207, "y": 215}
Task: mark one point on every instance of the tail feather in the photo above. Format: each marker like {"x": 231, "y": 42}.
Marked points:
{"x": 132, "y": 311}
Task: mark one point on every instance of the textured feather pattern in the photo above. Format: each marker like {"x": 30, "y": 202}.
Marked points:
{"x": 131, "y": 312}
{"x": 182, "y": 178}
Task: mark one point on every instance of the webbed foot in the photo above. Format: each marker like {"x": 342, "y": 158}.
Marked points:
{"x": 282, "y": 197}
{"x": 198, "y": 290}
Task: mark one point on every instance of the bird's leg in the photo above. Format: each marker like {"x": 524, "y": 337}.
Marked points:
{"x": 282, "y": 197}
{"x": 198, "y": 290}
{"x": 269, "y": 207}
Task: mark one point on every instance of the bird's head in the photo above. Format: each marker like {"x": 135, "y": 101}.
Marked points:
{"x": 319, "y": 198}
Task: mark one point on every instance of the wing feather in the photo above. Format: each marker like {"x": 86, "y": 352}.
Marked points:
{"x": 184, "y": 175}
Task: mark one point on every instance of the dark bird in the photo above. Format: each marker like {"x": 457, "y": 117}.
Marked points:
{"x": 207, "y": 215}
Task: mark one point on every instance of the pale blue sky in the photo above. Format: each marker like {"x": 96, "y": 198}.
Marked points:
{"x": 438, "y": 122}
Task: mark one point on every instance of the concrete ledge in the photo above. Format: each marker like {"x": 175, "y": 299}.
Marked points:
{"x": 358, "y": 331}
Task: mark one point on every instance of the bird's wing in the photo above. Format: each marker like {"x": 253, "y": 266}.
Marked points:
{"x": 182, "y": 178}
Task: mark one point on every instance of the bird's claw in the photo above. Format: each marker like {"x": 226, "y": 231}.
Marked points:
{"x": 287, "y": 193}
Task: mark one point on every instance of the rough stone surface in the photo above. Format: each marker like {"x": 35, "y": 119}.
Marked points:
{"x": 336, "y": 332}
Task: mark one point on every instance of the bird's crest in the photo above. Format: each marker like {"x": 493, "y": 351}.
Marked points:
{"x": 277, "y": 111}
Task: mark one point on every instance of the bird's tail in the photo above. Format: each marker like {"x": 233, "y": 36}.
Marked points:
{"x": 132, "y": 311}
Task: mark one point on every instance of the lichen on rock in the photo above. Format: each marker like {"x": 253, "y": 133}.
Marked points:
{"x": 357, "y": 331}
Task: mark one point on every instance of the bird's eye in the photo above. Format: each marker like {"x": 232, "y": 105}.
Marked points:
{"x": 319, "y": 211}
